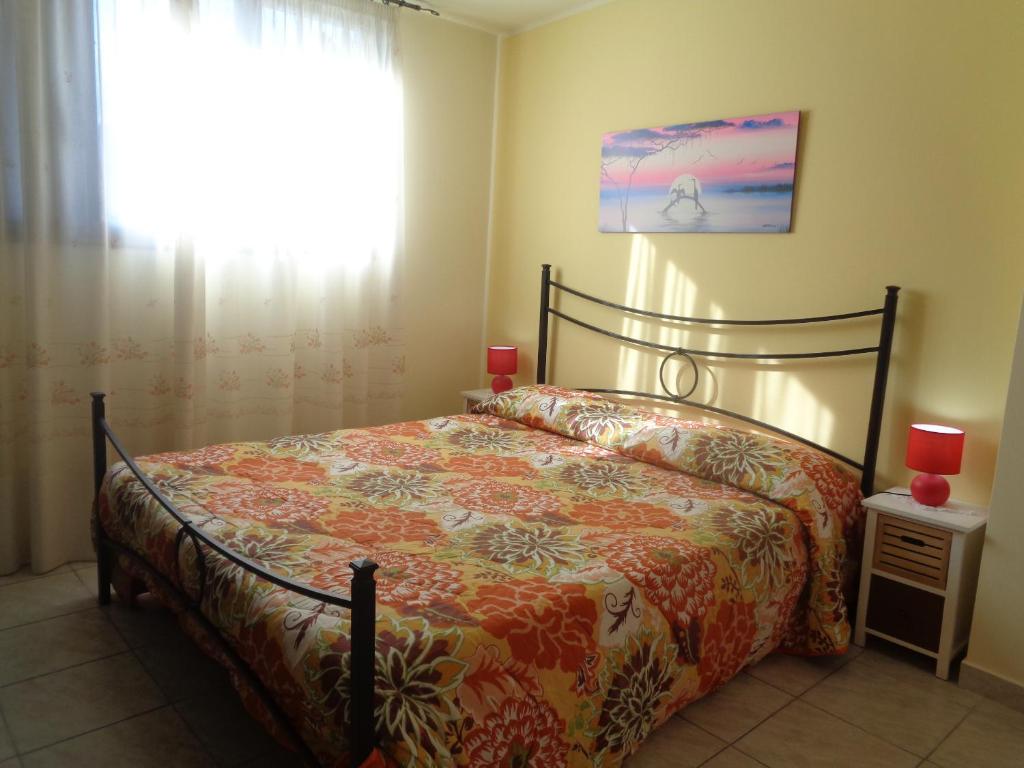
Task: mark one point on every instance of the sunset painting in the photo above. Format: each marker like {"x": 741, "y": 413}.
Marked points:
{"x": 732, "y": 175}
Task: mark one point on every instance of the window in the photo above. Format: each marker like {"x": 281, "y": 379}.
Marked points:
{"x": 262, "y": 129}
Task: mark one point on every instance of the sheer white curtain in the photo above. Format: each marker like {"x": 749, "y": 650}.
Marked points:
{"x": 199, "y": 214}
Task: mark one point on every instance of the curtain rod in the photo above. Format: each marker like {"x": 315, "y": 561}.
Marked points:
{"x": 411, "y": 6}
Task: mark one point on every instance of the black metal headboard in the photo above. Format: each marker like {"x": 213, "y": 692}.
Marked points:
{"x": 883, "y": 351}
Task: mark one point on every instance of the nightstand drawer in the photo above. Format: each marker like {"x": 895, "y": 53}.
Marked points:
{"x": 912, "y": 550}
{"x": 906, "y": 613}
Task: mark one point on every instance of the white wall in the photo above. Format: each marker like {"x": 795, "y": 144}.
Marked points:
{"x": 997, "y": 635}
{"x": 448, "y": 72}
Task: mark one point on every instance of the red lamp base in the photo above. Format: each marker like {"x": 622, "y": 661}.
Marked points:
{"x": 930, "y": 490}
{"x": 501, "y": 384}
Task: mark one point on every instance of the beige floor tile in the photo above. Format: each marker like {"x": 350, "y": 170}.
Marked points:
{"x": 63, "y": 704}
{"x": 905, "y": 706}
{"x": 732, "y": 758}
{"x": 80, "y": 565}
{"x": 148, "y": 623}
{"x": 224, "y": 727}
{"x": 25, "y": 574}
{"x": 158, "y": 739}
{"x": 990, "y": 686}
{"x": 736, "y": 707}
{"x": 42, "y": 598}
{"x": 802, "y": 736}
{"x": 991, "y": 736}
{"x": 46, "y": 646}
{"x": 12, "y": 763}
{"x": 796, "y": 674}
{"x": 676, "y": 744}
{"x": 6, "y": 745}
{"x": 906, "y": 666}
{"x": 180, "y": 668}
{"x": 87, "y": 575}
{"x": 172, "y": 659}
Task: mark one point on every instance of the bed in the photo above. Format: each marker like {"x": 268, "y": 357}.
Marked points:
{"x": 542, "y": 582}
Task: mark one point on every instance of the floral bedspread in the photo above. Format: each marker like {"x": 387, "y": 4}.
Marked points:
{"x": 558, "y": 573}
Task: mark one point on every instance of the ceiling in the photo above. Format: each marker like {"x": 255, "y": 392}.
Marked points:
{"x": 509, "y": 16}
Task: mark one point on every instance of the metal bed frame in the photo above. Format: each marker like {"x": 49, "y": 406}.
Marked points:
{"x": 361, "y": 601}
{"x": 883, "y": 350}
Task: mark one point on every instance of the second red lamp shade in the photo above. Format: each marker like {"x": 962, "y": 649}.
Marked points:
{"x": 503, "y": 361}
{"x": 934, "y": 450}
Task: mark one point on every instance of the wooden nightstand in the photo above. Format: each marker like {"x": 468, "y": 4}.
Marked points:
{"x": 473, "y": 396}
{"x": 919, "y": 574}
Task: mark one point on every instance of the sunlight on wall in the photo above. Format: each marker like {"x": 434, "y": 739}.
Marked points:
{"x": 677, "y": 295}
{"x": 642, "y": 258}
{"x": 766, "y": 393}
{"x": 780, "y": 398}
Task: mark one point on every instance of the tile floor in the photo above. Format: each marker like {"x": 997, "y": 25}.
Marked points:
{"x": 87, "y": 686}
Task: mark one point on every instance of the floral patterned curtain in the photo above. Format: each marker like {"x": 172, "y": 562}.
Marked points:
{"x": 199, "y": 215}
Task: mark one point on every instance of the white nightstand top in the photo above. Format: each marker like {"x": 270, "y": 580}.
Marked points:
{"x": 477, "y": 395}
{"x": 953, "y": 515}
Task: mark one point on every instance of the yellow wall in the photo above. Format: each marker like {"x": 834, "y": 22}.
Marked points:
{"x": 908, "y": 173}
{"x": 448, "y": 74}
{"x": 998, "y": 628}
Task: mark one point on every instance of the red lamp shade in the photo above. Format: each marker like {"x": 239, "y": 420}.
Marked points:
{"x": 502, "y": 361}
{"x": 934, "y": 450}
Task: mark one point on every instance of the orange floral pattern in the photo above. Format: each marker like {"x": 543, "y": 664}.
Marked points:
{"x": 415, "y": 581}
{"x": 558, "y": 575}
{"x": 520, "y": 732}
{"x": 490, "y": 497}
{"x": 211, "y": 456}
{"x": 557, "y": 632}
{"x": 266, "y": 505}
{"x": 373, "y": 525}
{"x": 490, "y": 466}
{"x": 383, "y": 452}
{"x": 616, "y": 513}
{"x": 726, "y": 645}
{"x": 266, "y": 470}
{"x": 679, "y": 577}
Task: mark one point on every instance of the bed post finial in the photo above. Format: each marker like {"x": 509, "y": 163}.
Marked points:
{"x": 867, "y": 480}
{"x": 362, "y": 734}
{"x": 542, "y": 341}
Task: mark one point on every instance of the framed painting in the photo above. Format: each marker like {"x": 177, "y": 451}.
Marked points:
{"x": 732, "y": 175}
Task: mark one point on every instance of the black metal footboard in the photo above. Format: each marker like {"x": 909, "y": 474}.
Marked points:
{"x": 361, "y": 602}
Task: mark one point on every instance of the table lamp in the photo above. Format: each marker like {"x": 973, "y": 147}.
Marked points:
{"x": 935, "y": 451}
{"x": 502, "y": 361}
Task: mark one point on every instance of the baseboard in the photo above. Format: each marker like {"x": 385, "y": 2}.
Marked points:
{"x": 997, "y": 688}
